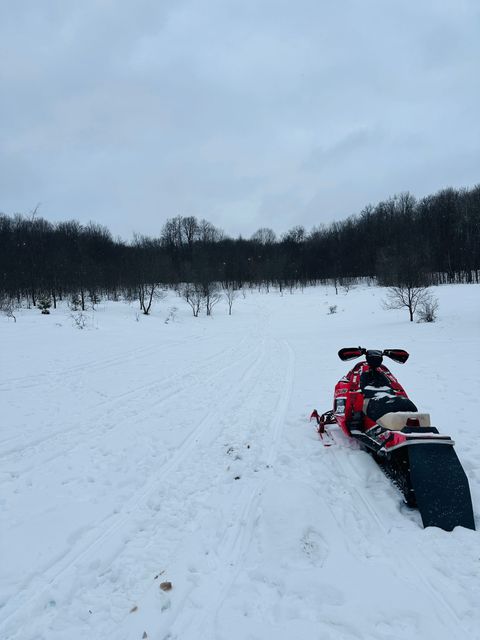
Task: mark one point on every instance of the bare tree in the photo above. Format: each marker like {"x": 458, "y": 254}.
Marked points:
{"x": 8, "y": 306}
{"x": 407, "y": 296}
{"x": 147, "y": 293}
{"x": 172, "y": 232}
{"x": 212, "y": 296}
{"x": 208, "y": 232}
{"x": 264, "y": 235}
{"x": 230, "y": 294}
{"x": 295, "y": 235}
{"x": 194, "y": 296}
{"x": 190, "y": 230}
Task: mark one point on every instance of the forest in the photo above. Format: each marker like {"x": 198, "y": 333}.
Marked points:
{"x": 401, "y": 240}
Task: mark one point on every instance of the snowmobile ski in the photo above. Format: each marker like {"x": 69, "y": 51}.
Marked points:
{"x": 325, "y": 436}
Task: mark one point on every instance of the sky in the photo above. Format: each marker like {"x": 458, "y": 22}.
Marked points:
{"x": 266, "y": 113}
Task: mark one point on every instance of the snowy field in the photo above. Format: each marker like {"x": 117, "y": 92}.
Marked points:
{"x": 135, "y": 453}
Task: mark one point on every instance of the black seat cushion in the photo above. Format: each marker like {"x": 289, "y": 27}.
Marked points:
{"x": 379, "y": 405}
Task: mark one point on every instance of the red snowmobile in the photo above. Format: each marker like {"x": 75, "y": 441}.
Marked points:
{"x": 371, "y": 406}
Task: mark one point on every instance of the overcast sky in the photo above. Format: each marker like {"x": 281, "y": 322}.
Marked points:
{"x": 249, "y": 114}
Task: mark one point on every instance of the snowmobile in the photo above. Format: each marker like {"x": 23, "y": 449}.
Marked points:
{"x": 371, "y": 406}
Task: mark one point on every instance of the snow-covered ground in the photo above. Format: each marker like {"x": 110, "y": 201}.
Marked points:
{"x": 135, "y": 453}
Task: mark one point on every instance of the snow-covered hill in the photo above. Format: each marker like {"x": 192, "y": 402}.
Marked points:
{"x": 137, "y": 453}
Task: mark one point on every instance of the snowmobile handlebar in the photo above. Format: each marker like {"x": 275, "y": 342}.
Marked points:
{"x": 374, "y": 356}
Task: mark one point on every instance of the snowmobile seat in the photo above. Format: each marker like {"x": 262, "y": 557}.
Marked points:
{"x": 384, "y": 402}
{"x": 396, "y": 420}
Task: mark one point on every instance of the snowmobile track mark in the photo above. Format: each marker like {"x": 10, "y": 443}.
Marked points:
{"x": 31, "y": 596}
{"x": 229, "y": 556}
{"x": 139, "y": 353}
{"x": 407, "y": 553}
{"x": 278, "y": 420}
{"x": 129, "y": 396}
{"x": 168, "y": 396}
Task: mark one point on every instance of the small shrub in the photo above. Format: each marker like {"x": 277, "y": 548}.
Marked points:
{"x": 94, "y": 298}
{"x": 347, "y": 286}
{"x": 8, "y": 307}
{"x": 80, "y": 319}
{"x": 44, "y": 304}
{"x": 75, "y": 302}
{"x": 172, "y": 315}
{"x": 332, "y": 309}
{"x": 427, "y": 311}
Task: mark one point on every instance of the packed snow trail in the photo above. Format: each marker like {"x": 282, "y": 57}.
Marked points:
{"x": 135, "y": 453}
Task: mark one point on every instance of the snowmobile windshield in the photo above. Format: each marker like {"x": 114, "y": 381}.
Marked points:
{"x": 374, "y": 357}
{"x": 372, "y": 381}
{"x": 380, "y": 396}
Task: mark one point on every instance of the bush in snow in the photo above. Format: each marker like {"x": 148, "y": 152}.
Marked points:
{"x": 347, "y": 285}
{"x": 172, "y": 315}
{"x": 8, "y": 306}
{"x": 44, "y": 303}
{"x": 75, "y": 302}
{"x": 332, "y": 309}
{"x": 94, "y": 298}
{"x": 80, "y": 319}
{"x": 427, "y": 309}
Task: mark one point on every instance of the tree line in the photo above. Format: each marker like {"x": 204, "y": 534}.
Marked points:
{"x": 433, "y": 240}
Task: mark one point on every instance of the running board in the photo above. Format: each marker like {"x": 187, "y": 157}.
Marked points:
{"x": 441, "y": 487}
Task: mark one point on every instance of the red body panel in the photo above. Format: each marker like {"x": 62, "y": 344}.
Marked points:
{"x": 348, "y": 397}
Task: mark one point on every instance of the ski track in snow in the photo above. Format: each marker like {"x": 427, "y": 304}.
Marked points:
{"x": 183, "y": 454}
{"x": 81, "y": 551}
{"x": 366, "y": 512}
{"x": 167, "y": 386}
{"x": 115, "y": 411}
{"x": 233, "y": 545}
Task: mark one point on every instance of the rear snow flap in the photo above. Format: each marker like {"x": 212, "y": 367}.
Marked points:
{"x": 441, "y": 487}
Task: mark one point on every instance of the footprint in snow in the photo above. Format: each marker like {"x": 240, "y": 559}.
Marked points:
{"x": 314, "y": 547}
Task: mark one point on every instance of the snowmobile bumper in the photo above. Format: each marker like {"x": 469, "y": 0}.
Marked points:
{"x": 384, "y": 441}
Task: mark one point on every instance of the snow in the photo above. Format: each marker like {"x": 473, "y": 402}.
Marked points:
{"x": 136, "y": 452}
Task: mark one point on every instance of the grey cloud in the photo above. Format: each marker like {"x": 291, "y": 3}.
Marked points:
{"x": 354, "y": 141}
{"x": 248, "y": 114}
